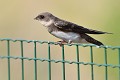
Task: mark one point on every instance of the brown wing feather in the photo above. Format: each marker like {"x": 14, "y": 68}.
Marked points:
{"x": 68, "y": 26}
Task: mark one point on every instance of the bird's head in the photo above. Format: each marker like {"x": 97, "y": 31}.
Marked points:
{"x": 45, "y": 18}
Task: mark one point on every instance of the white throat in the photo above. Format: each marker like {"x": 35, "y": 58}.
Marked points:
{"x": 44, "y": 23}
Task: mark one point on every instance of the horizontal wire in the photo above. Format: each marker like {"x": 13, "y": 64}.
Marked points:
{"x": 56, "y": 43}
{"x": 61, "y": 61}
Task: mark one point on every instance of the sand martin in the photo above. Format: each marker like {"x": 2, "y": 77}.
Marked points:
{"x": 67, "y": 31}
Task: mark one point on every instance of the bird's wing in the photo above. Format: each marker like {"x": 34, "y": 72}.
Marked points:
{"x": 68, "y": 26}
{"x": 91, "y": 40}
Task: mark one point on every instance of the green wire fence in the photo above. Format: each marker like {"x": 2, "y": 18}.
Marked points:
{"x": 8, "y": 46}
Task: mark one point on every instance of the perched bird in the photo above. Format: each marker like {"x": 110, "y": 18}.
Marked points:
{"x": 67, "y": 31}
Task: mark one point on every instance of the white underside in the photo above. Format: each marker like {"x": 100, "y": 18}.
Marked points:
{"x": 69, "y": 36}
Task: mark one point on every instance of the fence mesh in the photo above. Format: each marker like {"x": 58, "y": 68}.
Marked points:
{"x": 45, "y": 60}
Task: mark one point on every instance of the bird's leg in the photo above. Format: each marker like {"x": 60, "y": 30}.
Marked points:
{"x": 69, "y": 42}
{"x": 61, "y": 42}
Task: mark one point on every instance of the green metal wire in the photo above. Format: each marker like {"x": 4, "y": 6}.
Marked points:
{"x": 22, "y": 60}
{"x": 63, "y": 65}
{"x": 78, "y": 65}
{"x": 106, "y": 69}
{"x": 8, "y": 49}
{"x": 35, "y": 62}
{"x": 61, "y": 61}
{"x": 56, "y": 43}
{"x": 77, "y": 62}
{"x": 119, "y": 61}
{"x": 49, "y": 63}
{"x": 91, "y": 57}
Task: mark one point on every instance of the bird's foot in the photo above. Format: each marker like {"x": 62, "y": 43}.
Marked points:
{"x": 61, "y": 43}
{"x": 69, "y": 42}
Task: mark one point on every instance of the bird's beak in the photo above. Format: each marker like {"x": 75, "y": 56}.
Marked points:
{"x": 36, "y": 18}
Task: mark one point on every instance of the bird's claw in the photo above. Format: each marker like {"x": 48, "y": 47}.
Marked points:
{"x": 61, "y": 43}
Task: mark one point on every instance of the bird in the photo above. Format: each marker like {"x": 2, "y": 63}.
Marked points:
{"x": 67, "y": 31}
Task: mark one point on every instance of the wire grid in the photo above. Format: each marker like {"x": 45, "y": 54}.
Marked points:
{"x": 63, "y": 61}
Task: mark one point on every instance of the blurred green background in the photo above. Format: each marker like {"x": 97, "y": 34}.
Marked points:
{"x": 17, "y": 22}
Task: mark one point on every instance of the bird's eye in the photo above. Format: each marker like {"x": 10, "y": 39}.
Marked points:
{"x": 42, "y": 17}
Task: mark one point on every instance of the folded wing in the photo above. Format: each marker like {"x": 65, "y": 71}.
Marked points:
{"x": 68, "y": 26}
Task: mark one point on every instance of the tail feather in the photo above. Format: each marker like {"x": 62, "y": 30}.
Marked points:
{"x": 97, "y": 32}
{"x": 91, "y": 40}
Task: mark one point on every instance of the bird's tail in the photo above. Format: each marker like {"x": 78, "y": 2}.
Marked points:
{"x": 91, "y": 40}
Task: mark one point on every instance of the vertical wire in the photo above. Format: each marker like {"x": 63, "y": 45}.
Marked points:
{"x": 35, "y": 62}
{"x": 105, "y": 58}
{"x": 63, "y": 65}
{"x": 49, "y": 63}
{"x": 119, "y": 61}
{"x": 22, "y": 60}
{"x": 78, "y": 65}
{"x": 91, "y": 57}
{"x": 8, "y": 53}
